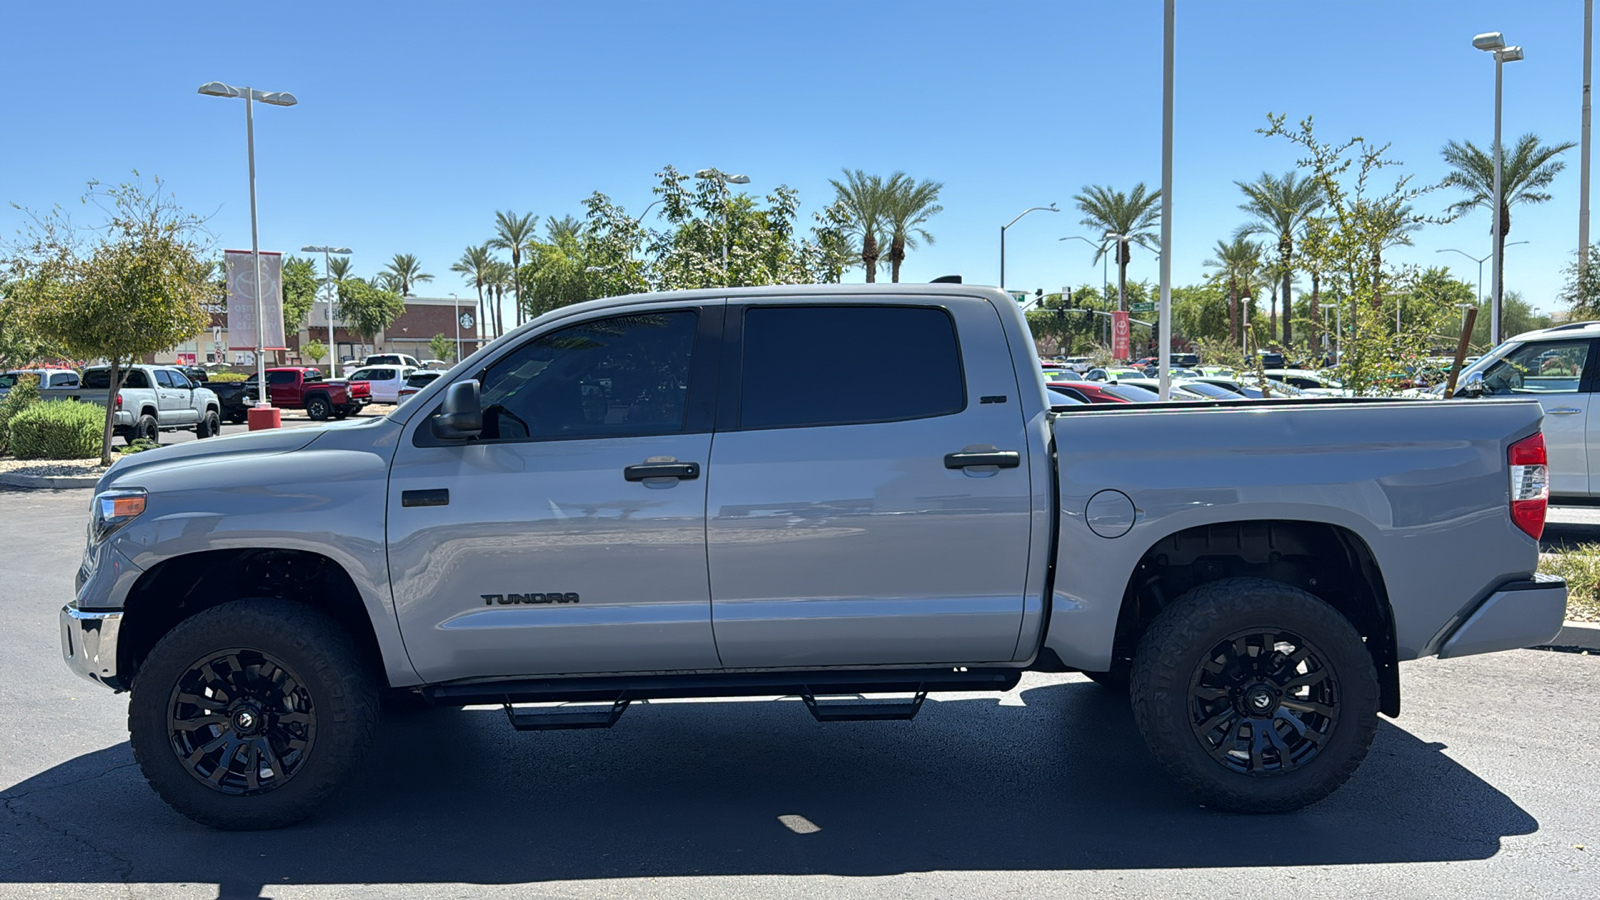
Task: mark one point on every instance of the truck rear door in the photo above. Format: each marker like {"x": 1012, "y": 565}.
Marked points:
{"x": 1562, "y": 375}
{"x": 570, "y": 537}
{"x": 858, "y": 515}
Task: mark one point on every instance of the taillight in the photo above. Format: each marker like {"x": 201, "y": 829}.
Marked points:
{"x": 1530, "y": 484}
{"x": 119, "y": 400}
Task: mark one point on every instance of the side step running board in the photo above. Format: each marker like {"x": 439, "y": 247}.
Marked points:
{"x": 552, "y": 719}
{"x": 864, "y": 710}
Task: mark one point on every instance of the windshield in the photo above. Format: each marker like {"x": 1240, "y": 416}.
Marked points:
{"x": 1208, "y": 390}
{"x": 1131, "y": 393}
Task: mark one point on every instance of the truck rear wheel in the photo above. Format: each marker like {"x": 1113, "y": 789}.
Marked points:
{"x": 250, "y": 714}
{"x": 1255, "y": 695}
{"x": 145, "y": 429}
{"x": 317, "y": 408}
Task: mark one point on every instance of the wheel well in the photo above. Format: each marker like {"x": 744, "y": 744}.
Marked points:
{"x": 175, "y": 589}
{"x": 1328, "y": 561}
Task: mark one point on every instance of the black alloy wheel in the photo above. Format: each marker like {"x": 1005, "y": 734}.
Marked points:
{"x": 1263, "y": 702}
{"x": 241, "y": 722}
{"x": 317, "y": 408}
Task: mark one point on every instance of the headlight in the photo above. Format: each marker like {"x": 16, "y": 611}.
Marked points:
{"x": 114, "y": 509}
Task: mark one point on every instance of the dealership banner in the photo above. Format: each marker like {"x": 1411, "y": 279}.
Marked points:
{"x": 1119, "y": 335}
{"x": 242, "y": 300}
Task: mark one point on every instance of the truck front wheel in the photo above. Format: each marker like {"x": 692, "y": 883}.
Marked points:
{"x": 1255, "y": 695}
{"x": 210, "y": 425}
{"x": 250, "y": 714}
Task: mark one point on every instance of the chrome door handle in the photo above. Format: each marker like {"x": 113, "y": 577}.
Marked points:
{"x": 1563, "y": 411}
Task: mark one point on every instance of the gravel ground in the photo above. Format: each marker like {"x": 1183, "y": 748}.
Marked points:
{"x": 12, "y": 466}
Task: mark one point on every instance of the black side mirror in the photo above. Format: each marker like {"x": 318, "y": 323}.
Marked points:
{"x": 461, "y": 415}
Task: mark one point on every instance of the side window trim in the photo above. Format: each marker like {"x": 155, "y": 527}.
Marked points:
{"x": 1589, "y": 381}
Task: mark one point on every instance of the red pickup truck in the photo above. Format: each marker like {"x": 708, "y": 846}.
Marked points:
{"x": 295, "y": 387}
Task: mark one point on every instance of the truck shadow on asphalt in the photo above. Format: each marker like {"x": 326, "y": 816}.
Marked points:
{"x": 743, "y": 788}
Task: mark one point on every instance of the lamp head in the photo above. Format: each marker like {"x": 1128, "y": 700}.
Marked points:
{"x": 279, "y": 98}
{"x": 341, "y": 251}
{"x": 743, "y": 179}
{"x": 218, "y": 89}
{"x": 1489, "y": 41}
{"x": 1510, "y": 54}
{"x": 706, "y": 173}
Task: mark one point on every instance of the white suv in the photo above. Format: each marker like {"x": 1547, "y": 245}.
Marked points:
{"x": 385, "y": 381}
{"x": 1559, "y": 367}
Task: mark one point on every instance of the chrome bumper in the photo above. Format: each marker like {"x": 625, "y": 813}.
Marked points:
{"x": 1520, "y": 614}
{"x": 89, "y": 644}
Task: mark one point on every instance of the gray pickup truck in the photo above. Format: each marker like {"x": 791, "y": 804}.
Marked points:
{"x": 739, "y": 492}
{"x": 152, "y": 400}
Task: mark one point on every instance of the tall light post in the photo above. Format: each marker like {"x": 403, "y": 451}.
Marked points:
{"x": 1338, "y": 335}
{"x": 274, "y": 98}
{"x": 1164, "y": 310}
{"x": 723, "y": 179}
{"x": 1050, "y": 208}
{"x": 1105, "y": 261}
{"x": 1583, "y": 164}
{"x": 455, "y": 312}
{"x": 1494, "y": 42}
{"x": 327, "y": 281}
{"x": 1480, "y": 261}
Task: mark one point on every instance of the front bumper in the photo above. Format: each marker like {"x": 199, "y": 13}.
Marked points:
{"x": 89, "y": 644}
{"x": 1519, "y": 614}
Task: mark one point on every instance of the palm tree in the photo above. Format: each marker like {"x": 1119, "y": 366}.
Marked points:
{"x": 909, "y": 205}
{"x": 474, "y": 268}
{"x": 404, "y": 271}
{"x": 865, "y": 201}
{"x": 514, "y": 233}
{"x": 563, "y": 231}
{"x": 1525, "y": 172}
{"x": 339, "y": 268}
{"x": 1237, "y": 262}
{"x": 1393, "y": 224}
{"x": 500, "y": 277}
{"x": 1281, "y": 207}
{"x": 1129, "y": 216}
{"x": 388, "y": 281}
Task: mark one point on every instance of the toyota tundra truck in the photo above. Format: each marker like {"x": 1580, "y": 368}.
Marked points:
{"x": 735, "y": 492}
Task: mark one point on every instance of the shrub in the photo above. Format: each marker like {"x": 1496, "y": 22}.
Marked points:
{"x": 60, "y": 430}
{"x": 1580, "y": 566}
{"x": 22, "y": 395}
{"x": 226, "y": 377}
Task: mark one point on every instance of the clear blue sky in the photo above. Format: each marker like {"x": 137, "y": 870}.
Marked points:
{"x": 418, "y": 120}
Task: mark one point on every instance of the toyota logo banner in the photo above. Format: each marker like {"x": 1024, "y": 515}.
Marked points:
{"x": 242, "y": 300}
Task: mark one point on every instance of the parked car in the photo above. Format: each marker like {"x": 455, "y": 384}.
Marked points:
{"x": 1102, "y": 392}
{"x": 416, "y": 381}
{"x": 1079, "y": 364}
{"x": 1311, "y": 382}
{"x": 1252, "y": 391}
{"x": 437, "y": 365}
{"x": 152, "y": 400}
{"x": 1060, "y": 401}
{"x": 390, "y": 359}
{"x": 295, "y": 387}
{"x": 48, "y": 378}
{"x": 596, "y": 513}
{"x": 196, "y": 374}
{"x": 1182, "y": 391}
{"x": 385, "y": 382}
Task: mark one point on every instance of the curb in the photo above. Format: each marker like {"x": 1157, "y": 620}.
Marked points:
{"x": 1575, "y": 636}
{"x": 48, "y": 482}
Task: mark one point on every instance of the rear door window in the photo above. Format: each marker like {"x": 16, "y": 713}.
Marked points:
{"x": 843, "y": 365}
{"x": 1539, "y": 367}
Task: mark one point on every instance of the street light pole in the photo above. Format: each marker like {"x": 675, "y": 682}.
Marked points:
{"x": 1494, "y": 42}
{"x": 1164, "y": 311}
{"x": 275, "y": 98}
{"x": 724, "y": 180}
{"x": 1480, "y": 261}
{"x": 1050, "y": 208}
{"x": 327, "y": 281}
{"x": 1338, "y": 336}
{"x": 455, "y": 311}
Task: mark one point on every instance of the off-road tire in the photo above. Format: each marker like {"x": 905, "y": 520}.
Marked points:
{"x": 317, "y": 408}
{"x": 146, "y": 429}
{"x": 1165, "y": 700}
{"x": 315, "y": 651}
{"x": 209, "y": 426}
{"x": 340, "y": 412}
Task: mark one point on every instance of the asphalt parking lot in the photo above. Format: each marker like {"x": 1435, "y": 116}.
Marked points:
{"x": 1485, "y": 787}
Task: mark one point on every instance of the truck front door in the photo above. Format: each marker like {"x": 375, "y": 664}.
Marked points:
{"x": 869, "y": 498}
{"x": 173, "y": 397}
{"x": 569, "y": 537}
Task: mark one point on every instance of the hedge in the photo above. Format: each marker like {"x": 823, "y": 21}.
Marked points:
{"x": 58, "y": 430}
{"x": 22, "y": 395}
{"x": 227, "y": 377}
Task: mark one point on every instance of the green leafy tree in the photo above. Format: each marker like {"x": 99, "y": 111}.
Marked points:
{"x": 566, "y": 228}
{"x": 339, "y": 268}
{"x": 20, "y": 342}
{"x": 1281, "y": 208}
{"x": 368, "y": 308}
{"x": 314, "y": 350}
{"x": 1356, "y": 218}
{"x": 1526, "y": 170}
{"x": 299, "y": 291}
{"x": 1237, "y": 261}
{"x": 443, "y": 347}
{"x": 1516, "y": 316}
{"x": 907, "y": 208}
{"x": 473, "y": 266}
{"x": 1201, "y": 311}
{"x": 134, "y": 288}
{"x": 1581, "y": 293}
{"x": 403, "y": 273}
{"x": 514, "y": 234}
{"x": 1133, "y": 216}
{"x": 865, "y": 200}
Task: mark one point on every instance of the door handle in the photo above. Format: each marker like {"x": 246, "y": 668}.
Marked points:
{"x": 1004, "y": 459}
{"x": 1563, "y": 411}
{"x": 662, "y": 470}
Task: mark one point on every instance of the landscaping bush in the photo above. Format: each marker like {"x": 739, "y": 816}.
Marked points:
{"x": 1580, "y": 566}
{"x": 227, "y": 377}
{"x": 22, "y": 395}
{"x": 60, "y": 430}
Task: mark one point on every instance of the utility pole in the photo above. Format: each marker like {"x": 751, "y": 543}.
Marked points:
{"x": 1583, "y": 166}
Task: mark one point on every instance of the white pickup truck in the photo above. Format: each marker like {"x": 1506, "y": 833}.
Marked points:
{"x": 737, "y": 492}
{"x": 153, "y": 399}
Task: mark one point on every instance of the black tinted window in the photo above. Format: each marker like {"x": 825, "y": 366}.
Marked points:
{"x": 163, "y": 378}
{"x": 280, "y": 378}
{"x": 623, "y": 376}
{"x": 838, "y": 365}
